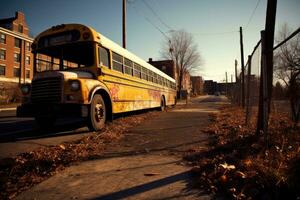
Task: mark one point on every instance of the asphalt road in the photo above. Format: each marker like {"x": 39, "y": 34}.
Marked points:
{"x": 154, "y": 147}
{"x": 18, "y": 135}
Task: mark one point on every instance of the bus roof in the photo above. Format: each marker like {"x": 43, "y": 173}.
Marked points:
{"x": 104, "y": 41}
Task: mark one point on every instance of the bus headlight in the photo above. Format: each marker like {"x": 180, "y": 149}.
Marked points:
{"x": 74, "y": 85}
{"x": 25, "y": 89}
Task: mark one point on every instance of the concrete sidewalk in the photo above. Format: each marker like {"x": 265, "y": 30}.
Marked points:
{"x": 145, "y": 164}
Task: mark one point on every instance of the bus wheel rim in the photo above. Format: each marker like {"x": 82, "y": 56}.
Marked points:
{"x": 99, "y": 112}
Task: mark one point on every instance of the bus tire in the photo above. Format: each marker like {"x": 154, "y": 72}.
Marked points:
{"x": 162, "y": 104}
{"x": 97, "y": 113}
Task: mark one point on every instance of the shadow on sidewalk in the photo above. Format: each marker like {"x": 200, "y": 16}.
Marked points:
{"x": 122, "y": 194}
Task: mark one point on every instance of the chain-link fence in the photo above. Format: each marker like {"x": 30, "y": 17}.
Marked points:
{"x": 252, "y": 83}
{"x": 285, "y": 94}
{"x": 286, "y": 76}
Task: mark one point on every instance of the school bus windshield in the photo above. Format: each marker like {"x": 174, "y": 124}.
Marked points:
{"x": 64, "y": 57}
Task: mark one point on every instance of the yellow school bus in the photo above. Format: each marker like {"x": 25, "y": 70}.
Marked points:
{"x": 79, "y": 72}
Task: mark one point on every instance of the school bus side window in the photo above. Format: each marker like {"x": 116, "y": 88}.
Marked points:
{"x": 104, "y": 57}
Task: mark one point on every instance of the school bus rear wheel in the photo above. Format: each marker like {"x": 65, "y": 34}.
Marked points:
{"x": 162, "y": 104}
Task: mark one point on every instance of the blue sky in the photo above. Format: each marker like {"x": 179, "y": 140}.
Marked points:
{"x": 213, "y": 23}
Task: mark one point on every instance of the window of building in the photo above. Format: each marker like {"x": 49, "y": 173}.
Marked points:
{"x": 16, "y": 72}
{"x": 2, "y": 38}
{"x": 104, "y": 57}
{"x": 17, "y": 57}
{"x": 27, "y": 60}
{"x": 17, "y": 42}
{"x": 2, "y": 54}
{"x": 117, "y": 62}
{"x": 20, "y": 28}
{"x": 27, "y": 73}
{"x": 2, "y": 70}
{"x": 128, "y": 65}
{"x": 28, "y": 46}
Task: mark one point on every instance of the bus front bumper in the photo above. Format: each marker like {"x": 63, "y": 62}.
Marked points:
{"x": 58, "y": 110}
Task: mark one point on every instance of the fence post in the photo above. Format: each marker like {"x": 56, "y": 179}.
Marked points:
{"x": 242, "y": 68}
{"x": 262, "y": 119}
{"x": 237, "y": 94}
{"x": 248, "y": 116}
{"x": 269, "y": 40}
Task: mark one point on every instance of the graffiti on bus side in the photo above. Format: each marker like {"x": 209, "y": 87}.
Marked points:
{"x": 114, "y": 91}
{"x": 154, "y": 94}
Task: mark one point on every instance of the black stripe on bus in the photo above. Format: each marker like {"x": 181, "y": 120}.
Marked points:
{"x": 130, "y": 100}
{"x": 136, "y": 81}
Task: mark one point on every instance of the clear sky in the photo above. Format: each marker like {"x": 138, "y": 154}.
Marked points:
{"x": 213, "y": 23}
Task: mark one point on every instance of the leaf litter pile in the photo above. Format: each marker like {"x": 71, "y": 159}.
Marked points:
{"x": 238, "y": 165}
{"x": 27, "y": 169}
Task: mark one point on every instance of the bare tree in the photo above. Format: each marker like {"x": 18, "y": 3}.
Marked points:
{"x": 287, "y": 68}
{"x": 182, "y": 49}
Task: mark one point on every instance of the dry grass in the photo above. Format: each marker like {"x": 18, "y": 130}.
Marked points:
{"x": 239, "y": 166}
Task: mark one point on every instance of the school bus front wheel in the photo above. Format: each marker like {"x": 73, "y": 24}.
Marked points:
{"x": 97, "y": 114}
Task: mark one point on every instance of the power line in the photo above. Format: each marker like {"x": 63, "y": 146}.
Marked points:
{"x": 159, "y": 18}
{"x": 149, "y": 21}
{"x": 252, "y": 14}
{"x": 216, "y": 33}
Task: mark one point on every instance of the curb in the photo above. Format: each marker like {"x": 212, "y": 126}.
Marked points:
{"x": 7, "y": 109}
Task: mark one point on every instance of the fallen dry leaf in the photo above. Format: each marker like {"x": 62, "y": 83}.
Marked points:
{"x": 62, "y": 147}
{"x": 226, "y": 166}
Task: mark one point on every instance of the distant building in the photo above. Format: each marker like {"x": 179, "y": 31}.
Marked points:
{"x": 186, "y": 83}
{"x": 15, "y": 54}
{"x": 15, "y": 49}
{"x": 197, "y": 85}
{"x": 168, "y": 67}
{"x": 225, "y": 88}
{"x": 210, "y": 87}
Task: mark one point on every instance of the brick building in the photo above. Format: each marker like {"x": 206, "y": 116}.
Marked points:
{"x": 197, "y": 85}
{"x": 15, "y": 54}
{"x": 186, "y": 83}
{"x": 168, "y": 67}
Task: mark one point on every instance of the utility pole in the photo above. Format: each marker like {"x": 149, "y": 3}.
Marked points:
{"x": 248, "y": 91}
{"x": 124, "y": 24}
{"x": 235, "y": 65}
{"x": 269, "y": 31}
{"x": 242, "y": 67}
{"x": 226, "y": 83}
